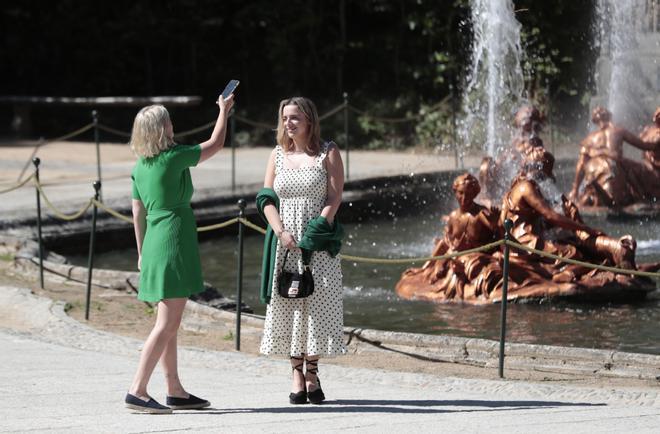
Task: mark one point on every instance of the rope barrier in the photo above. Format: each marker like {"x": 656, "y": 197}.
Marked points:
{"x": 332, "y": 112}
{"x": 258, "y": 124}
{"x": 206, "y": 126}
{"x": 263, "y": 125}
{"x": 584, "y": 264}
{"x": 111, "y": 211}
{"x": 19, "y": 185}
{"x": 365, "y": 259}
{"x": 46, "y": 142}
{"x": 218, "y": 225}
{"x": 423, "y": 259}
{"x": 252, "y": 226}
{"x": 113, "y": 130}
{"x": 254, "y": 123}
{"x": 59, "y": 214}
{"x": 71, "y": 135}
{"x": 412, "y": 118}
{"x": 485, "y": 247}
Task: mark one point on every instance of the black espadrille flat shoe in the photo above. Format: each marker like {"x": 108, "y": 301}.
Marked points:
{"x": 151, "y": 406}
{"x": 190, "y": 403}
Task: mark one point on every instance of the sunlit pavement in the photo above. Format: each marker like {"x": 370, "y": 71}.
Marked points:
{"x": 68, "y": 170}
{"x": 58, "y": 375}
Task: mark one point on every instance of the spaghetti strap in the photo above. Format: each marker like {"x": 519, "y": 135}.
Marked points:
{"x": 279, "y": 159}
{"x": 325, "y": 147}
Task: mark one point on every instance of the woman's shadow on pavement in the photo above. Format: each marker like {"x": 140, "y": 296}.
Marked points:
{"x": 406, "y": 406}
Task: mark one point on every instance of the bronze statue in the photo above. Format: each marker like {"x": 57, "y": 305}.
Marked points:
{"x": 472, "y": 276}
{"x": 610, "y": 179}
{"x": 495, "y": 175}
{"x": 535, "y": 219}
{"x": 651, "y": 134}
{"x": 543, "y": 219}
{"x": 475, "y": 277}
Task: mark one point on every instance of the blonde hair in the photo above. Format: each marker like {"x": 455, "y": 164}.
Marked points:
{"x": 148, "y": 138}
{"x": 307, "y": 107}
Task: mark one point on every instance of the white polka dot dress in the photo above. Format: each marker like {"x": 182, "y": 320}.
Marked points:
{"x": 312, "y": 325}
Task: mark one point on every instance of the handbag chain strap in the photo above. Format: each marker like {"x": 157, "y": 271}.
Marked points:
{"x": 286, "y": 255}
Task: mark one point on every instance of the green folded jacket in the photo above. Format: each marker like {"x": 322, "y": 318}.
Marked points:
{"x": 267, "y": 196}
{"x": 319, "y": 236}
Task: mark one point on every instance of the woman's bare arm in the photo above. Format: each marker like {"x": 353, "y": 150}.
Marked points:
{"x": 335, "y": 168}
{"x": 139, "y": 225}
{"x": 217, "y": 140}
{"x": 270, "y": 211}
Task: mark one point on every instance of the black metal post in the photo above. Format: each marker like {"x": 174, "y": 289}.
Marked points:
{"x": 36, "y": 161}
{"x": 92, "y": 240}
{"x": 239, "y": 278}
{"x": 508, "y": 224}
{"x": 95, "y": 119}
{"x": 232, "y": 130}
{"x": 348, "y": 157}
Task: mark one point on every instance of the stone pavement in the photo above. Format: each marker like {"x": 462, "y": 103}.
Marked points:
{"x": 69, "y": 168}
{"x": 58, "y": 375}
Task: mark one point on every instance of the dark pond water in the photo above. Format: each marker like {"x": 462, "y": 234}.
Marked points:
{"x": 370, "y": 300}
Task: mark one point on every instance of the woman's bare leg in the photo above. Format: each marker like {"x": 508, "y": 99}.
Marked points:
{"x": 298, "y": 382}
{"x": 310, "y": 375}
{"x": 170, "y": 365}
{"x": 167, "y": 323}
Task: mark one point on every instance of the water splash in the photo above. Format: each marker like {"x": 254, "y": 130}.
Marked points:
{"x": 621, "y": 29}
{"x": 495, "y": 83}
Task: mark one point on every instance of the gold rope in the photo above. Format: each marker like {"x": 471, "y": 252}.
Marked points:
{"x": 332, "y": 112}
{"x": 218, "y": 225}
{"x": 59, "y": 214}
{"x": 401, "y": 119}
{"x": 254, "y": 123}
{"x": 424, "y": 259}
{"x": 113, "y": 130}
{"x": 19, "y": 185}
{"x": 196, "y": 130}
{"x": 369, "y": 260}
{"x": 57, "y": 139}
{"x": 111, "y": 211}
{"x": 251, "y": 225}
{"x": 128, "y": 219}
{"x": 584, "y": 264}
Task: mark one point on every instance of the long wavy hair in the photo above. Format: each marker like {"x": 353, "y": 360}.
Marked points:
{"x": 148, "y": 137}
{"x": 308, "y": 109}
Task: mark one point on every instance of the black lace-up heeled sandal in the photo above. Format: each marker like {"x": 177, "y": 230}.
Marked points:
{"x": 316, "y": 396}
{"x": 298, "y": 397}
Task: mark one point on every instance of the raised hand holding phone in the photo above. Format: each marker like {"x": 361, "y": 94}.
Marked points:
{"x": 230, "y": 88}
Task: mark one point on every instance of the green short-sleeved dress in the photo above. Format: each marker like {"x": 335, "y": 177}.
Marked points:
{"x": 170, "y": 254}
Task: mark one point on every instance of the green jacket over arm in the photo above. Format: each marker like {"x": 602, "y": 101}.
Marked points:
{"x": 265, "y": 197}
{"x": 320, "y": 235}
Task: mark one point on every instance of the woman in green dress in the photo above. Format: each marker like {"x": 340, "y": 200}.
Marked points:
{"x": 166, "y": 236}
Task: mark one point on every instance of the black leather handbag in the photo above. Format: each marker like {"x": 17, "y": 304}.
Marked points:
{"x": 293, "y": 284}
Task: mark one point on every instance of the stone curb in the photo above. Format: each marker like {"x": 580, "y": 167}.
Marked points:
{"x": 470, "y": 351}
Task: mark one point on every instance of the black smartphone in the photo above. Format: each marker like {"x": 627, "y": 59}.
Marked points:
{"x": 230, "y": 88}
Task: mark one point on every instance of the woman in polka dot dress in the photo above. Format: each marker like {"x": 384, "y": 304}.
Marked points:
{"x": 308, "y": 177}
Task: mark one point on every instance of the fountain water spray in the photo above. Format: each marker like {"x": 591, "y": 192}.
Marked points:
{"x": 622, "y": 83}
{"x": 495, "y": 83}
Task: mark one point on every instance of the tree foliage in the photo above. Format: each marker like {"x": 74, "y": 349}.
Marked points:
{"x": 392, "y": 57}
